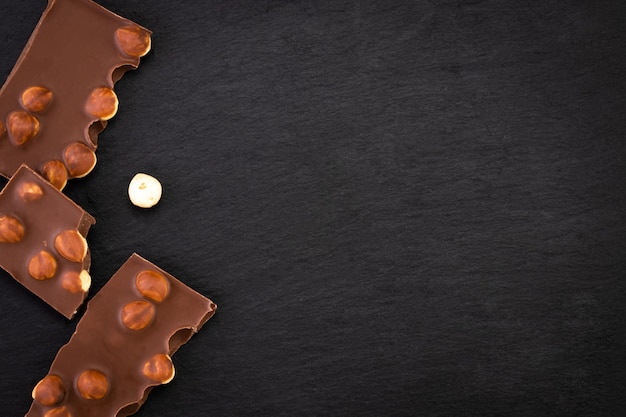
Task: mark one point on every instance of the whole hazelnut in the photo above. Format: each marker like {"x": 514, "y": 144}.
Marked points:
{"x": 152, "y": 285}
{"x": 75, "y": 282}
{"x": 30, "y": 191}
{"x": 58, "y": 412}
{"x": 71, "y": 245}
{"x": 92, "y": 385}
{"x": 102, "y": 103}
{"x": 36, "y": 98}
{"x": 22, "y": 126}
{"x": 11, "y": 229}
{"x": 144, "y": 190}
{"x": 137, "y": 315}
{"x": 55, "y": 173}
{"x": 159, "y": 369}
{"x": 42, "y": 266}
{"x": 49, "y": 391}
{"x": 80, "y": 160}
{"x": 133, "y": 41}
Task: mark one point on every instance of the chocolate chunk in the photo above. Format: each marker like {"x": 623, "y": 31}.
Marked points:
{"x": 42, "y": 241}
{"x": 60, "y": 93}
{"x": 123, "y": 345}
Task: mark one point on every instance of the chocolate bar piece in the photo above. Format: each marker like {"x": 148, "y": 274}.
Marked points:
{"x": 42, "y": 241}
{"x": 123, "y": 345}
{"x": 60, "y": 93}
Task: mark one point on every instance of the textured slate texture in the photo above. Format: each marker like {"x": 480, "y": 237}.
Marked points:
{"x": 402, "y": 208}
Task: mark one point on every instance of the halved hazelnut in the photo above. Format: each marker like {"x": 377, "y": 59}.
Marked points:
{"x": 75, "y": 282}
{"x": 49, "y": 391}
{"x": 137, "y": 315}
{"x": 58, "y": 412}
{"x": 159, "y": 369}
{"x": 80, "y": 160}
{"x": 30, "y": 191}
{"x": 36, "y": 98}
{"x": 102, "y": 103}
{"x": 55, "y": 173}
{"x": 133, "y": 41}
{"x": 42, "y": 266}
{"x": 11, "y": 229}
{"x": 92, "y": 385}
{"x": 22, "y": 127}
{"x": 152, "y": 285}
{"x": 71, "y": 245}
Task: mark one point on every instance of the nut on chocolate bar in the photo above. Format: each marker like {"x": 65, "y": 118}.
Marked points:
{"x": 123, "y": 345}
{"x": 42, "y": 241}
{"x": 51, "y": 116}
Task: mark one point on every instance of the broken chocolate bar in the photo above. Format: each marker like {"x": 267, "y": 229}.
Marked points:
{"x": 123, "y": 345}
{"x": 60, "y": 93}
{"x": 42, "y": 241}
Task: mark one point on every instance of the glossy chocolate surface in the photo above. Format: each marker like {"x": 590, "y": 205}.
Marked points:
{"x": 107, "y": 368}
{"x": 46, "y": 216}
{"x": 77, "y": 51}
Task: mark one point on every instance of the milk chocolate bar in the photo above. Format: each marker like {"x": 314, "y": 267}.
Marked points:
{"x": 60, "y": 95}
{"x": 123, "y": 345}
{"x": 42, "y": 241}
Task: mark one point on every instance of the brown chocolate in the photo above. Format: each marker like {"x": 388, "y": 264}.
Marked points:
{"x": 60, "y": 93}
{"x": 42, "y": 241}
{"x": 123, "y": 345}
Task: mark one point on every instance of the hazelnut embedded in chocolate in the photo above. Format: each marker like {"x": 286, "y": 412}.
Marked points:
{"x": 42, "y": 266}
{"x": 133, "y": 41}
{"x": 137, "y": 315}
{"x": 11, "y": 229}
{"x": 159, "y": 369}
{"x": 22, "y": 126}
{"x": 102, "y": 103}
{"x": 58, "y": 412}
{"x": 92, "y": 385}
{"x": 71, "y": 245}
{"x": 80, "y": 160}
{"x": 49, "y": 391}
{"x": 55, "y": 173}
{"x": 152, "y": 285}
{"x": 75, "y": 282}
{"x": 36, "y": 99}
{"x": 29, "y": 192}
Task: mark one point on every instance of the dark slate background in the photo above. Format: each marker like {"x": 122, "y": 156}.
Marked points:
{"x": 402, "y": 208}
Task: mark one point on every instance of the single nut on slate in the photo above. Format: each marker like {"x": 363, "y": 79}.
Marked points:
{"x": 92, "y": 385}
{"x": 102, "y": 103}
{"x": 55, "y": 173}
{"x": 49, "y": 391}
{"x": 42, "y": 266}
{"x": 58, "y": 412}
{"x": 75, "y": 282}
{"x": 71, "y": 245}
{"x": 144, "y": 190}
{"x": 11, "y": 229}
{"x": 159, "y": 369}
{"x": 152, "y": 285}
{"x": 22, "y": 127}
{"x": 80, "y": 160}
{"x": 30, "y": 191}
{"x": 36, "y": 99}
{"x": 137, "y": 315}
{"x": 133, "y": 41}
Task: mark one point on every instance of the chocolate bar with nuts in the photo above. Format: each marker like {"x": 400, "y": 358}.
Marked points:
{"x": 42, "y": 241}
{"x": 60, "y": 93}
{"x": 123, "y": 345}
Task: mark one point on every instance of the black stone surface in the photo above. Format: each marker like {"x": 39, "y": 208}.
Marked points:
{"x": 402, "y": 208}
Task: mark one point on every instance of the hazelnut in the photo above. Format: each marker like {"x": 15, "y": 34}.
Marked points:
{"x": 92, "y": 385}
{"x": 71, "y": 245}
{"x": 58, "y": 412}
{"x": 144, "y": 190}
{"x": 102, "y": 103}
{"x": 133, "y": 41}
{"x": 22, "y": 126}
{"x": 152, "y": 285}
{"x": 159, "y": 369}
{"x": 36, "y": 99}
{"x": 75, "y": 282}
{"x": 80, "y": 160}
{"x": 137, "y": 315}
{"x": 30, "y": 191}
{"x": 11, "y": 229}
{"x": 42, "y": 266}
{"x": 55, "y": 173}
{"x": 49, "y": 391}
